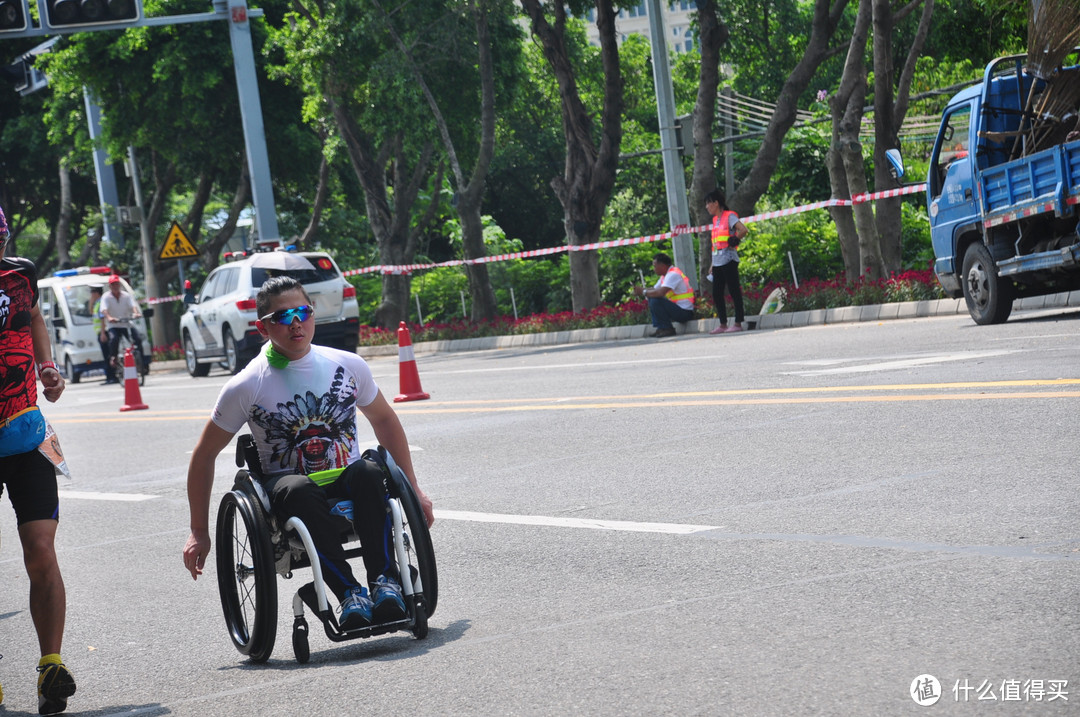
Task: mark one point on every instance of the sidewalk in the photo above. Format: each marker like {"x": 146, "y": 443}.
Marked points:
{"x": 782, "y": 320}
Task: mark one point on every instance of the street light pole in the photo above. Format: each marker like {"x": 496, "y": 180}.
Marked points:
{"x": 247, "y": 86}
{"x": 674, "y": 176}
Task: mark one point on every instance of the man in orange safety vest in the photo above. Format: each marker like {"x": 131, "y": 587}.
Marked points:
{"x": 671, "y": 299}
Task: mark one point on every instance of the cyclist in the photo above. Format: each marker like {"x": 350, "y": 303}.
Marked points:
{"x": 99, "y": 330}
{"x": 119, "y": 309}
{"x": 300, "y": 402}
{"x": 30, "y": 478}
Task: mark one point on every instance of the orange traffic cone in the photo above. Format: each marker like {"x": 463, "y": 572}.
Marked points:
{"x": 132, "y": 398}
{"x": 410, "y": 378}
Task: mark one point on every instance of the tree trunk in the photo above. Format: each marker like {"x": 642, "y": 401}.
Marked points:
{"x": 194, "y": 217}
{"x": 889, "y": 115}
{"x": 91, "y": 250}
{"x": 164, "y": 330}
{"x": 397, "y": 242}
{"x": 846, "y": 106}
{"x": 322, "y": 191}
{"x": 756, "y": 183}
{"x": 869, "y": 256}
{"x": 712, "y": 35}
{"x": 67, "y": 212}
{"x": 589, "y": 174}
{"x": 842, "y": 217}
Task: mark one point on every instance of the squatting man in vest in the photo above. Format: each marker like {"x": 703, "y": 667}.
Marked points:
{"x": 671, "y": 299}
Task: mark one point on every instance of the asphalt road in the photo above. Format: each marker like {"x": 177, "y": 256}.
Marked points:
{"x": 768, "y": 523}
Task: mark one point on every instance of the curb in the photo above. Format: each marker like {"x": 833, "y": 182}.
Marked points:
{"x": 782, "y": 320}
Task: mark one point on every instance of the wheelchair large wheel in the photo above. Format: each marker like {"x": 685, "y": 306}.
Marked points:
{"x": 246, "y": 577}
{"x": 418, "y": 549}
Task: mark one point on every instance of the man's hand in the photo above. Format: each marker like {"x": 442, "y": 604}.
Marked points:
{"x": 53, "y": 384}
{"x": 425, "y": 505}
{"x": 195, "y": 552}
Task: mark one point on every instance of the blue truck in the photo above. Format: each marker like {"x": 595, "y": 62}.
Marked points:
{"x": 1003, "y": 188}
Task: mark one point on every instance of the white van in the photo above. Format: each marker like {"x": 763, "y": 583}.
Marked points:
{"x": 64, "y": 301}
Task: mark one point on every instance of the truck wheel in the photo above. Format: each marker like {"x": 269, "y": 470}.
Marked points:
{"x": 989, "y": 297}
{"x": 69, "y": 369}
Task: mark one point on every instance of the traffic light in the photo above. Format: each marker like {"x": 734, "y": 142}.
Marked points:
{"x": 61, "y": 14}
{"x": 684, "y": 134}
{"x": 12, "y": 15}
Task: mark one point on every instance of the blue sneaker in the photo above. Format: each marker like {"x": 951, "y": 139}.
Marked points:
{"x": 389, "y": 605}
{"x": 355, "y": 609}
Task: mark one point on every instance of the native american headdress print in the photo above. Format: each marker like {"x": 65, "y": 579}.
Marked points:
{"x": 312, "y": 433}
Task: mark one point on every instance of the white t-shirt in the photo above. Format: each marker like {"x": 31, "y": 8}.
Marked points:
{"x": 673, "y": 281}
{"x": 303, "y": 416}
{"x": 119, "y": 308}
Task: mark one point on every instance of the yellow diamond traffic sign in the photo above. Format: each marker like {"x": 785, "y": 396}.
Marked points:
{"x": 177, "y": 245}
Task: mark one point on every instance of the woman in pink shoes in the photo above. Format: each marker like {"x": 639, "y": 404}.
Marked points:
{"x": 727, "y": 232}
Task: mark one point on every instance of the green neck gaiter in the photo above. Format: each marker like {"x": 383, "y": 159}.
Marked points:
{"x": 274, "y": 358}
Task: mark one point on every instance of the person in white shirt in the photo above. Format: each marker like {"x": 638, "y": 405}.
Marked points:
{"x": 300, "y": 402}
{"x": 118, "y": 309}
{"x": 671, "y": 299}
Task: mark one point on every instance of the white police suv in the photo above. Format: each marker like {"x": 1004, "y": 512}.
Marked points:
{"x": 219, "y": 323}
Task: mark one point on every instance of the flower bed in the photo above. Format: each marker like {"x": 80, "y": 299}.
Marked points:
{"x": 811, "y": 294}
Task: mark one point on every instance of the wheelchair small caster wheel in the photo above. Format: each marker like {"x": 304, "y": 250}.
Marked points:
{"x": 420, "y": 626}
{"x": 300, "y": 645}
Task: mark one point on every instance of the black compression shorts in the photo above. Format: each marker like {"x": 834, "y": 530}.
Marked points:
{"x": 31, "y": 483}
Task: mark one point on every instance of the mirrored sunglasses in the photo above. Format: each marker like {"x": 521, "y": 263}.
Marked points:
{"x": 286, "y": 316}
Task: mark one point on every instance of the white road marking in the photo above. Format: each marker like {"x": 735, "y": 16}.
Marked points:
{"x": 121, "y": 497}
{"x": 900, "y": 364}
{"x": 590, "y": 523}
{"x": 563, "y": 366}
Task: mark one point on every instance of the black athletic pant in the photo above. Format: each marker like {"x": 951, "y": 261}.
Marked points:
{"x": 728, "y": 275}
{"x": 362, "y": 483}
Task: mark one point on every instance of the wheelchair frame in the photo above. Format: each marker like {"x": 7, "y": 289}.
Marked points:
{"x": 253, "y": 545}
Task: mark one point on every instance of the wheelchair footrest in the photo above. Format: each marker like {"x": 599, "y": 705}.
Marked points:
{"x": 330, "y": 623}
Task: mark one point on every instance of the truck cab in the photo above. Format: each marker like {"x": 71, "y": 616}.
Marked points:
{"x": 1003, "y": 186}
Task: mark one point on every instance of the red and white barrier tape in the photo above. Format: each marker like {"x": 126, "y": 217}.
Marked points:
{"x": 532, "y": 253}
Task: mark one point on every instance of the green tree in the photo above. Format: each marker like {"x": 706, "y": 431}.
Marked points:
{"x": 353, "y": 78}
{"x": 592, "y": 153}
{"x": 169, "y": 92}
{"x": 473, "y": 20}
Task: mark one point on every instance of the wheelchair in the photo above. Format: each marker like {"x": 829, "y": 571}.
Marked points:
{"x": 253, "y": 544}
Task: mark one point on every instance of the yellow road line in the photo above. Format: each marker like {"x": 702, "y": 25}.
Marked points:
{"x": 568, "y": 405}
{"x": 1030, "y": 383}
{"x": 661, "y": 400}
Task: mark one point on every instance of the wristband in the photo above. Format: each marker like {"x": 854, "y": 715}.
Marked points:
{"x": 47, "y": 364}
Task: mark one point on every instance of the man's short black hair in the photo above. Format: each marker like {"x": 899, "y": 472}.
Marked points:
{"x": 662, "y": 258}
{"x": 276, "y": 286}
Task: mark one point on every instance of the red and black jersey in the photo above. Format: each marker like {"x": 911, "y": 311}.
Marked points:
{"x": 18, "y": 375}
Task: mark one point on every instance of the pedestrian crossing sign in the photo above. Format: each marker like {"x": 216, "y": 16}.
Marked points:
{"x": 177, "y": 245}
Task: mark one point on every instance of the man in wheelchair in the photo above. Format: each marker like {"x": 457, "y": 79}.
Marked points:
{"x": 299, "y": 401}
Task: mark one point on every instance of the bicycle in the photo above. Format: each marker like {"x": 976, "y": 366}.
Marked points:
{"x": 135, "y": 344}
